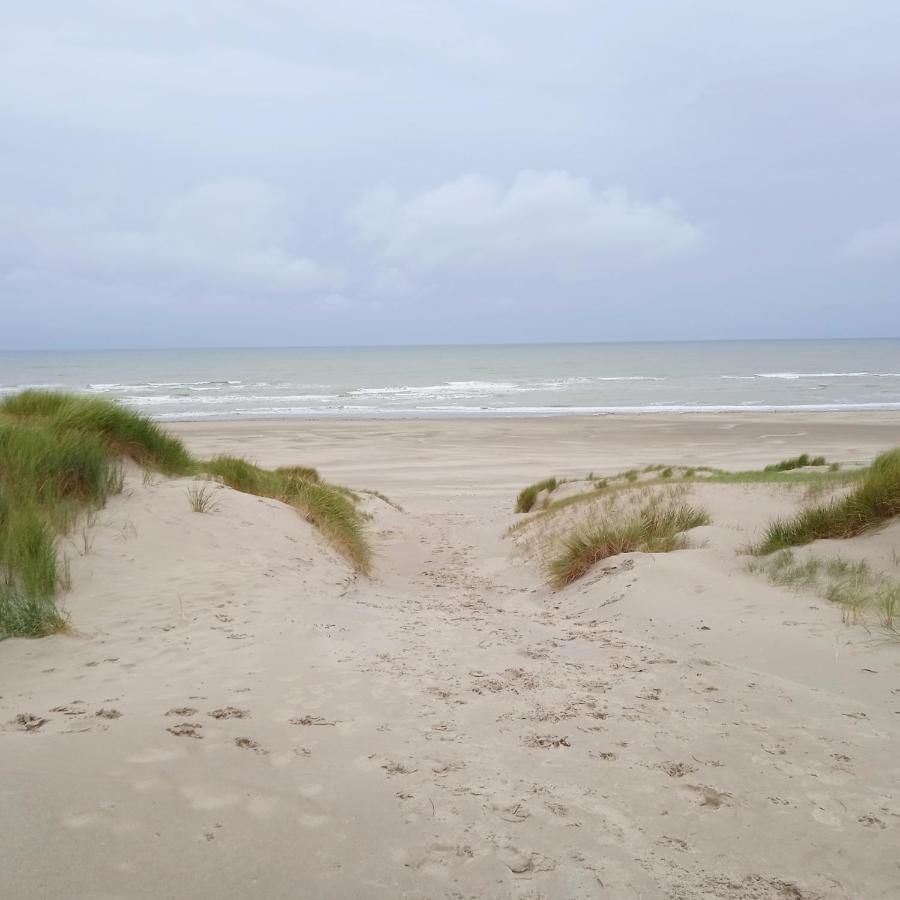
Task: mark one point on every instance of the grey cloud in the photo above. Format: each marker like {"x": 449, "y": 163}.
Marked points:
{"x": 876, "y": 244}
{"x": 232, "y": 235}
{"x": 535, "y": 219}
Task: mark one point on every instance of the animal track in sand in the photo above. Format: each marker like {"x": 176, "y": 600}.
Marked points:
{"x": 108, "y": 714}
{"x": 186, "y": 729}
{"x": 229, "y": 712}
{"x": 182, "y": 711}
{"x": 247, "y": 743}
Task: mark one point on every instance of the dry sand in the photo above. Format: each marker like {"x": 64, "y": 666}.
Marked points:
{"x": 237, "y": 716}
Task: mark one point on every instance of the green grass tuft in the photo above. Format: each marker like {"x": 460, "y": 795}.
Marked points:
{"x": 797, "y": 462}
{"x": 202, "y": 498}
{"x": 862, "y": 594}
{"x": 302, "y": 473}
{"x": 656, "y": 527}
{"x": 121, "y": 431}
{"x": 875, "y": 500}
{"x": 61, "y": 455}
{"x": 528, "y": 496}
{"x": 331, "y": 508}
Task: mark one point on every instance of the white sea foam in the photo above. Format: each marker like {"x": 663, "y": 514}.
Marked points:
{"x": 119, "y": 387}
{"x": 794, "y": 376}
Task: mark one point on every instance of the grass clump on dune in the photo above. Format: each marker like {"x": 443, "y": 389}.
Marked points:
{"x": 797, "y": 462}
{"x": 655, "y": 527}
{"x": 328, "y": 507}
{"x": 120, "y": 431}
{"x": 871, "y": 503}
{"x": 659, "y": 475}
{"x": 62, "y": 455}
{"x": 862, "y": 593}
{"x": 202, "y": 499}
{"x": 528, "y": 496}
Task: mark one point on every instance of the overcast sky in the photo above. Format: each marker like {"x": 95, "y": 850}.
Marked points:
{"x": 276, "y": 172}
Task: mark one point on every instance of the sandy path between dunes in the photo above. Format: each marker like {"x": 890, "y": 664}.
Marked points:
{"x": 450, "y": 728}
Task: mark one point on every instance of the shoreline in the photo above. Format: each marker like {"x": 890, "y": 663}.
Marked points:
{"x": 495, "y": 415}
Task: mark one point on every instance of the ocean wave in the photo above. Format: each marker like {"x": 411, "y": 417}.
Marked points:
{"x": 629, "y": 378}
{"x": 464, "y": 389}
{"x": 223, "y": 399}
{"x": 796, "y": 376}
{"x": 449, "y": 387}
{"x": 116, "y": 387}
{"x": 13, "y": 388}
{"x": 793, "y": 376}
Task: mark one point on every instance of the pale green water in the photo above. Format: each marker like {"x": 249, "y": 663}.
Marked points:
{"x": 471, "y": 381}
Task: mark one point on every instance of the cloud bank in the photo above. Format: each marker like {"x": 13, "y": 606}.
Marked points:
{"x": 535, "y": 219}
{"x": 877, "y": 244}
{"x": 231, "y": 236}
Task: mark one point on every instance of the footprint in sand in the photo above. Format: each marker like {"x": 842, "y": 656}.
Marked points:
{"x": 28, "y": 722}
{"x": 310, "y": 720}
{"x": 545, "y": 741}
{"x": 186, "y": 729}
{"x": 398, "y": 768}
{"x": 67, "y": 710}
{"x": 676, "y": 769}
{"x": 182, "y": 711}
{"x": 710, "y": 797}
{"x": 229, "y": 712}
{"x": 602, "y": 754}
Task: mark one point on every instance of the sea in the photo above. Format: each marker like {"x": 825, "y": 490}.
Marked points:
{"x": 471, "y": 381}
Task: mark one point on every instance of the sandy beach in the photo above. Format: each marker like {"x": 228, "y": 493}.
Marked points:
{"x": 237, "y": 715}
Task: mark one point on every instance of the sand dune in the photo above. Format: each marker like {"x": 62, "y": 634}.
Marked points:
{"x": 237, "y": 715}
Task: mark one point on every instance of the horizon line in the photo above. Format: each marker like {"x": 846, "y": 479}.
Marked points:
{"x": 410, "y": 346}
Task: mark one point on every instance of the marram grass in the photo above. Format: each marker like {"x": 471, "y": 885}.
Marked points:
{"x": 61, "y": 455}
{"x": 874, "y": 500}
{"x": 785, "y": 473}
{"x": 655, "y": 527}
{"x": 528, "y": 496}
{"x": 863, "y": 594}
